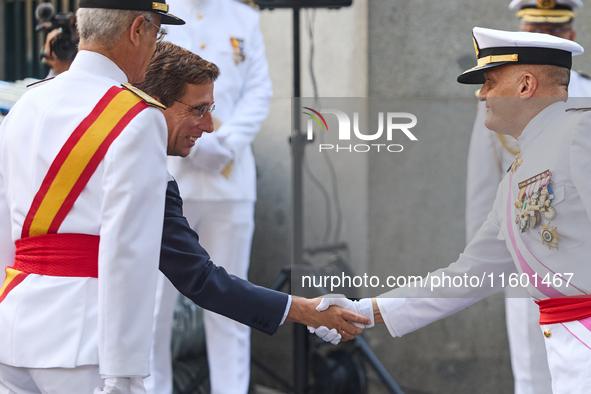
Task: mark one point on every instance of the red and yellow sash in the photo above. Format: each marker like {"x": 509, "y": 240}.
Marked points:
{"x": 13, "y": 278}
{"x": 66, "y": 178}
{"x": 78, "y": 159}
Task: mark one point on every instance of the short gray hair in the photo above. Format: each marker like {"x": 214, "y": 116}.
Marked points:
{"x": 106, "y": 26}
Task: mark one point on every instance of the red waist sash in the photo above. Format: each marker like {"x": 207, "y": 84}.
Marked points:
{"x": 58, "y": 255}
{"x": 564, "y": 309}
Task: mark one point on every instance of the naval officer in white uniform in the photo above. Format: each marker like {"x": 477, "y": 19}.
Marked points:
{"x": 489, "y": 156}
{"x": 82, "y": 186}
{"x": 540, "y": 224}
{"x": 217, "y": 180}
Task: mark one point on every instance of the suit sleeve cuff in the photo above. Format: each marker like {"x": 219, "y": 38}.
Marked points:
{"x": 286, "y": 309}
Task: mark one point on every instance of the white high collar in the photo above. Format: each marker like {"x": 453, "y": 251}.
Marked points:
{"x": 96, "y": 63}
{"x": 539, "y": 122}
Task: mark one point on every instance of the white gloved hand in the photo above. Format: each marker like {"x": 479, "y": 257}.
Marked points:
{"x": 210, "y": 155}
{"x": 119, "y": 385}
{"x": 325, "y": 334}
{"x": 363, "y": 307}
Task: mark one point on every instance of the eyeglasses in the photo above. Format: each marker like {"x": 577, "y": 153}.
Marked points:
{"x": 161, "y": 31}
{"x": 199, "y": 111}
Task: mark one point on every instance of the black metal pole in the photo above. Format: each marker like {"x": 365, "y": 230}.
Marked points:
{"x": 18, "y": 40}
{"x": 300, "y": 342}
{"x": 377, "y": 366}
{"x": 298, "y": 144}
{"x": 296, "y": 58}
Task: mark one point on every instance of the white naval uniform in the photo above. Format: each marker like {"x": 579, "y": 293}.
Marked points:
{"x": 68, "y": 322}
{"x": 220, "y": 209}
{"x": 557, "y": 141}
{"x": 489, "y": 157}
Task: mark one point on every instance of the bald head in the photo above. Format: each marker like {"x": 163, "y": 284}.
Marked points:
{"x": 532, "y": 80}
{"x": 552, "y": 80}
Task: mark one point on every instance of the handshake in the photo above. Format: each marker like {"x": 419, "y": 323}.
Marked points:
{"x": 335, "y": 317}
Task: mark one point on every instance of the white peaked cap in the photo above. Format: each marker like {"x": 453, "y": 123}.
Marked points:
{"x": 496, "y": 47}
{"x": 546, "y": 4}
{"x": 546, "y": 11}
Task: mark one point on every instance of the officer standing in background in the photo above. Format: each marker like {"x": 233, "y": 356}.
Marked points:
{"x": 489, "y": 156}
{"x": 184, "y": 83}
{"x": 217, "y": 180}
{"x": 82, "y": 188}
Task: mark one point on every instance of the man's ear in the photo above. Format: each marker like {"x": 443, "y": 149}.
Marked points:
{"x": 527, "y": 85}
{"x": 137, "y": 29}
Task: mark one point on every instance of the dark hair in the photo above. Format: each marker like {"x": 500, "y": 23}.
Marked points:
{"x": 171, "y": 69}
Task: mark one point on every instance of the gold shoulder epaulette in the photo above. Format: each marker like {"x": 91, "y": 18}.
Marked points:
{"x": 579, "y": 109}
{"x": 584, "y": 75}
{"x": 35, "y": 84}
{"x": 250, "y": 3}
{"x": 144, "y": 96}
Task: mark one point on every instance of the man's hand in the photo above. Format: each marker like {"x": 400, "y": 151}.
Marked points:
{"x": 210, "y": 155}
{"x": 304, "y": 311}
{"x": 363, "y": 307}
{"x": 325, "y": 334}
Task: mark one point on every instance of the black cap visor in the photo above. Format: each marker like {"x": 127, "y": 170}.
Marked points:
{"x": 475, "y": 76}
{"x": 169, "y": 19}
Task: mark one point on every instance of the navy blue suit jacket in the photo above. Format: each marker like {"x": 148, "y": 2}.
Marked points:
{"x": 188, "y": 266}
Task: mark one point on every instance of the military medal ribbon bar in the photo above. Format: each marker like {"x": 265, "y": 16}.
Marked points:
{"x": 238, "y": 47}
{"x": 534, "y": 203}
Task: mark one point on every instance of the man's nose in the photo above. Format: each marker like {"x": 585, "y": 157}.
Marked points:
{"x": 207, "y": 123}
{"x": 482, "y": 94}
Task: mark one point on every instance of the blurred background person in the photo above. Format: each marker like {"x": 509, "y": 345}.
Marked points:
{"x": 218, "y": 178}
{"x": 184, "y": 83}
{"x": 49, "y": 57}
{"x": 58, "y": 51}
{"x": 489, "y": 157}
{"x": 61, "y": 40}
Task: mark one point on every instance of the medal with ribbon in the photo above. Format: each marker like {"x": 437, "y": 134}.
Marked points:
{"x": 238, "y": 47}
{"x": 533, "y": 203}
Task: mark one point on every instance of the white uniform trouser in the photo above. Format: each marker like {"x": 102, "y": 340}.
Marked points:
{"x": 225, "y": 231}
{"x": 160, "y": 379}
{"x": 80, "y": 380}
{"x": 569, "y": 358}
{"x": 528, "y": 351}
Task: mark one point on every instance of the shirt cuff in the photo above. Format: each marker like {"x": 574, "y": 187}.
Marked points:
{"x": 286, "y": 309}
{"x": 384, "y": 311}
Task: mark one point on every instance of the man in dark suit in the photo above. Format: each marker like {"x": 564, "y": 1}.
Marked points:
{"x": 183, "y": 82}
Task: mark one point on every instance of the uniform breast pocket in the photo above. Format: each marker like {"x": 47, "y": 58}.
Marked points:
{"x": 558, "y": 193}
{"x": 230, "y": 58}
{"x": 233, "y": 72}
